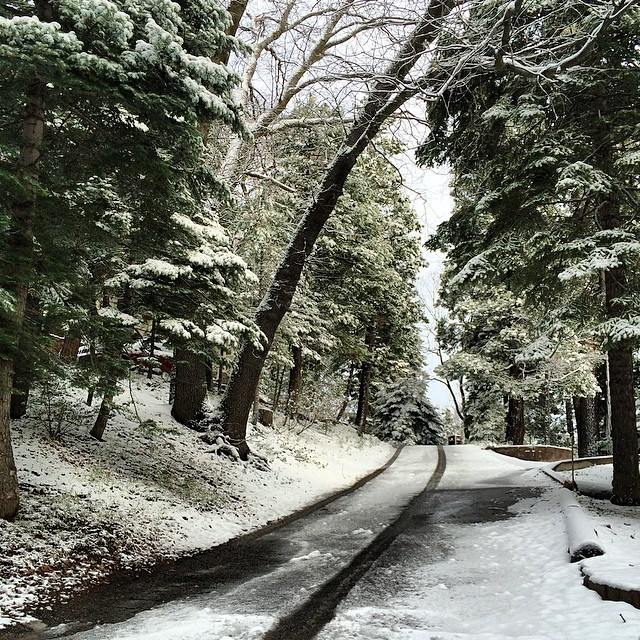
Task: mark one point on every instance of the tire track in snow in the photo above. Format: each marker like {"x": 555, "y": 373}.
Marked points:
{"x": 309, "y": 618}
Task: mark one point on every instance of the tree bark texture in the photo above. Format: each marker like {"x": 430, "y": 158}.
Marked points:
{"x": 22, "y": 377}
{"x": 190, "y": 386}
{"x": 362, "y": 412}
{"x": 102, "y": 419}
{"x": 516, "y": 427}
{"x": 586, "y": 425}
{"x": 382, "y": 101}
{"x": 626, "y": 475}
{"x": 295, "y": 380}
{"x": 70, "y": 348}
{"x": 277, "y": 392}
{"x": 19, "y": 258}
{"x": 366, "y": 367}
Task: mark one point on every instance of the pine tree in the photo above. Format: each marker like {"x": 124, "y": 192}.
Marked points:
{"x": 86, "y": 70}
{"x": 404, "y": 414}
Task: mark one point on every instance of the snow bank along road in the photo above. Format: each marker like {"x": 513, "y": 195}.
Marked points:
{"x": 446, "y": 544}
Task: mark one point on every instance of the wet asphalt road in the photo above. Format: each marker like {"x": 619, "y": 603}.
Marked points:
{"x": 403, "y": 511}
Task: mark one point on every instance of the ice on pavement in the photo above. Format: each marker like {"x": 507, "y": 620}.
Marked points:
{"x": 185, "y": 620}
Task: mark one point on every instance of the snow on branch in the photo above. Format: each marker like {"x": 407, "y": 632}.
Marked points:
{"x": 505, "y": 61}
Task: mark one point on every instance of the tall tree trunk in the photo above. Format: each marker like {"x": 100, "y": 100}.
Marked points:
{"x": 509, "y": 420}
{"x": 382, "y": 101}
{"x": 19, "y": 260}
{"x": 601, "y": 402}
{"x": 24, "y": 365}
{"x": 278, "y": 390}
{"x": 9, "y": 497}
{"x": 516, "y": 427}
{"x": 364, "y": 391}
{"x": 22, "y": 377}
{"x": 586, "y": 426}
{"x": 347, "y": 394}
{"x": 362, "y": 412}
{"x": 626, "y": 478}
{"x": 190, "y": 386}
{"x": 626, "y": 475}
{"x": 295, "y": 380}
{"x": 102, "y": 419}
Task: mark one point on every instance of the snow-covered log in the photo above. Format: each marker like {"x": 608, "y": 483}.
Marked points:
{"x": 582, "y": 536}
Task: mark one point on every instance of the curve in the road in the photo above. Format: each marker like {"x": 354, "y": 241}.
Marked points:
{"x": 308, "y": 619}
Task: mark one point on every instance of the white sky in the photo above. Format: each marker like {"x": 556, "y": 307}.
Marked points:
{"x": 429, "y": 192}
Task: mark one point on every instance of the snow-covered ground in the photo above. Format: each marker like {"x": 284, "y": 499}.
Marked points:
{"x": 593, "y": 480}
{"x": 93, "y": 508}
{"x": 618, "y": 528}
{"x": 311, "y": 551}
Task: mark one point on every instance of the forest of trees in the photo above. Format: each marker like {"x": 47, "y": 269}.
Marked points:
{"x": 216, "y": 180}
{"x": 540, "y": 281}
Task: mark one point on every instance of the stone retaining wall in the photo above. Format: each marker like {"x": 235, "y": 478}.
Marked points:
{"x": 536, "y": 453}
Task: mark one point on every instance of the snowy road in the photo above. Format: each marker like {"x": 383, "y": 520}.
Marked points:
{"x": 476, "y": 550}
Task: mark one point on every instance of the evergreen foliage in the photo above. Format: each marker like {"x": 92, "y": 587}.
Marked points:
{"x": 404, "y": 414}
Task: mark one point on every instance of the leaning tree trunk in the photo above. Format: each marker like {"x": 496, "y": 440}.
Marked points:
{"x": 19, "y": 260}
{"x": 190, "y": 386}
{"x": 382, "y": 101}
{"x": 626, "y": 476}
{"x": 102, "y": 419}
{"x": 586, "y": 425}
